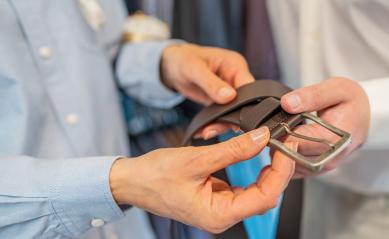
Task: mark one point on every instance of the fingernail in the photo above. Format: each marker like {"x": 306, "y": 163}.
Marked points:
{"x": 197, "y": 136}
{"x": 294, "y": 101}
{"x": 226, "y": 92}
{"x": 210, "y": 134}
{"x": 259, "y": 135}
{"x": 235, "y": 128}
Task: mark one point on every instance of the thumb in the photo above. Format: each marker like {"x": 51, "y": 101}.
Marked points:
{"x": 213, "y": 86}
{"x": 317, "y": 97}
{"x": 235, "y": 150}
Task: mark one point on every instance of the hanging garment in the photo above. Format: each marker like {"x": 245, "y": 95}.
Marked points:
{"x": 214, "y": 23}
{"x": 162, "y": 9}
{"x": 259, "y": 48}
{"x": 133, "y": 5}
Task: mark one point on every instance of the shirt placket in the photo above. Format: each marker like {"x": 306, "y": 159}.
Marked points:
{"x": 64, "y": 99}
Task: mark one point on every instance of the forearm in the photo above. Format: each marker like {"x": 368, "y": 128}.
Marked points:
{"x": 59, "y": 198}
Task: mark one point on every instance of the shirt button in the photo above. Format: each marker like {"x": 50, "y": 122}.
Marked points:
{"x": 45, "y": 52}
{"x": 72, "y": 119}
{"x": 97, "y": 222}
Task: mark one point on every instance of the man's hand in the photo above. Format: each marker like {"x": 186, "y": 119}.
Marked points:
{"x": 338, "y": 101}
{"x": 205, "y": 75}
{"x": 177, "y": 183}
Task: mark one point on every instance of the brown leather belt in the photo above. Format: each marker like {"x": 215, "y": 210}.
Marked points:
{"x": 258, "y": 104}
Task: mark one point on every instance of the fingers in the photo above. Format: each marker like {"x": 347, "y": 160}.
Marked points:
{"x": 243, "y": 77}
{"x": 317, "y": 97}
{"x": 264, "y": 194}
{"x": 311, "y": 148}
{"x": 223, "y": 72}
{"x": 215, "y": 157}
{"x": 302, "y": 172}
{"x": 215, "y": 129}
{"x": 215, "y": 88}
{"x": 195, "y": 93}
{"x": 234, "y": 69}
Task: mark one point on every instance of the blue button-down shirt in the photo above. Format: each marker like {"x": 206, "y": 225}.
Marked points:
{"x": 61, "y": 124}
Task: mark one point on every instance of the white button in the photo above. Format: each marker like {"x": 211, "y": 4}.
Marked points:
{"x": 97, "y": 222}
{"x": 45, "y": 52}
{"x": 72, "y": 119}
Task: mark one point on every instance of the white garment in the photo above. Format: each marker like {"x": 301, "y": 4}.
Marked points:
{"x": 317, "y": 39}
{"x": 336, "y": 213}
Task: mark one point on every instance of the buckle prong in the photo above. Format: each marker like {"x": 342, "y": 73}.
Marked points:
{"x": 309, "y": 138}
{"x": 315, "y": 165}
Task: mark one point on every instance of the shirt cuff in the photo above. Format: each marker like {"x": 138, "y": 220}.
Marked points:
{"x": 377, "y": 92}
{"x": 81, "y": 196}
{"x": 138, "y": 72}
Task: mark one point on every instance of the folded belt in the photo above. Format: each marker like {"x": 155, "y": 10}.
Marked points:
{"x": 258, "y": 104}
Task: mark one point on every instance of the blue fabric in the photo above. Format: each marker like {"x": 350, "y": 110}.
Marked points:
{"x": 143, "y": 119}
{"x": 244, "y": 173}
{"x": 61, "y": 120}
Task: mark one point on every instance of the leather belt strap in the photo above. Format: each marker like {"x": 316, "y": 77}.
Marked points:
{"x": 258, "y": 104}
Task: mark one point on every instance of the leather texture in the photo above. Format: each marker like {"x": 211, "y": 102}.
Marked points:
{"x": 257, "y": 104}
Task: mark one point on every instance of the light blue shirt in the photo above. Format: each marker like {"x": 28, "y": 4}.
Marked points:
{"x": 61, "y": 123}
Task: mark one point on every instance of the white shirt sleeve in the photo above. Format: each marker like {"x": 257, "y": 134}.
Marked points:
{"x": 378, "y": 94}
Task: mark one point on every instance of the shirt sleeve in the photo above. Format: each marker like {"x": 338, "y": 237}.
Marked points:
{"x": 55, "y": 198}
{"x": 138, "y": 73}
{"x": 377, "y": 91}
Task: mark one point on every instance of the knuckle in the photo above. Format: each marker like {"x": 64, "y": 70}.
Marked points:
{"x": 236, "y": 147}
{"x": 217, "y": 223}
{"x": 204, "y": 157}
{"x": 341, "y": 79}
{"x": 241, "y": 59}
{"x": 273, "y": 202}
{"x": 160, "y": 152}
{"x": 238, "y": 56}
{"x": 346, "y": 83}
{"x": 216, "y": 228}
{"x": 185, "y": 157}
{"x": 197, "y": 153}
{"x": 313, "y": 99}
{"x": 191, "y": 72}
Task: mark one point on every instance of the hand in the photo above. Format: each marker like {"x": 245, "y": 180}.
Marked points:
{"x": 205, "y": 75}
{"x": 338, "y": 101}
{"x": 177, "y": 183}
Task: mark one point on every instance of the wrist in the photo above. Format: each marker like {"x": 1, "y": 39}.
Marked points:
{"x": 165, "y": 70}
{"x": 118, "y": 181}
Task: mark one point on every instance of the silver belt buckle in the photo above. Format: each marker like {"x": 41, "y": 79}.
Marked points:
{"x": 317, "y": 164}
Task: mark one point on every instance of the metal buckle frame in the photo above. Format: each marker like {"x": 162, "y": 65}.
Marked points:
{"x": 317, "y": 164}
